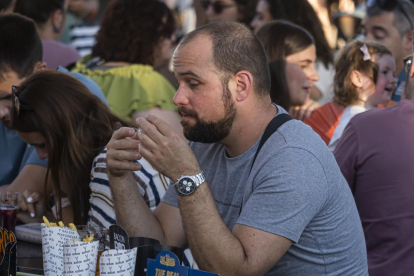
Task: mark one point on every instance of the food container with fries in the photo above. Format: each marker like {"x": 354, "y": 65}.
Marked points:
{"x": 65, "y": 253}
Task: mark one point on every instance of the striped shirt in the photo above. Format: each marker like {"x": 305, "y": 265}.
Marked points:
{"x": 151, "y": 184}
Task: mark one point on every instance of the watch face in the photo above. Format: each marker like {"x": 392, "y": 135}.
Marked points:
{"x": 186, "y": 186}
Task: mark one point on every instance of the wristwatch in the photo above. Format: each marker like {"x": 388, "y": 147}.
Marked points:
{"x": 187, "y": 184}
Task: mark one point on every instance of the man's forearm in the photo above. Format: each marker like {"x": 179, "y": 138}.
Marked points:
{"x": 213, "y": 245}
{"x": 131, "y": 211}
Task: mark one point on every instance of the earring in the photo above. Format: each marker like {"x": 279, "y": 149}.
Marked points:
{"x": 57, "y": 29}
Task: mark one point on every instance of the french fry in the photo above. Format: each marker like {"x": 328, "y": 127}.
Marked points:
{"x": 71, "y": 225}
{"x": 53, "y": 224}
{"x": 46, "y": 221}
{"x": 88, "y": 238}
{"x": 61, "y": 224}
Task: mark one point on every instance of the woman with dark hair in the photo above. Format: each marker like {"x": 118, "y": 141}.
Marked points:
{"x": 241, "y": 11}
{"x": 301, "y": 13}
{"x": 291, "y": 55}
{"x": 133, "y": 42}
{"x": 57, "y": 114}
{"x": 50, "y": 17}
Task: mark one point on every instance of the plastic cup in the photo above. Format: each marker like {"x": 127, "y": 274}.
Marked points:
{"x": 8, "y": 210}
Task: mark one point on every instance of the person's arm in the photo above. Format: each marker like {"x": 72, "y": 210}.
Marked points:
{"x": 243, "y": 251}
{"x": 31, "y": 177}
{"x": 246, "y": 250}
{"x": 346, "y": 154}
{"x": 30, "y": 183}
{"x": 131, "y": 211}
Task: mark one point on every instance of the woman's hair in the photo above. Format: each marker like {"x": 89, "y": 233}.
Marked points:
{"x": 351, "y": 58}
{"x": 38, "y": 10}
{"x": 76, "y": 126}
{"x": 248, "y": 10}
{"x": 301, "y": 13}
{"x": 131, "y": 30}
{"x": 281, "y": 39}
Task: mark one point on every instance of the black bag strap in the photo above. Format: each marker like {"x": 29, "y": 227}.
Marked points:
{"x": 271, "y": 128}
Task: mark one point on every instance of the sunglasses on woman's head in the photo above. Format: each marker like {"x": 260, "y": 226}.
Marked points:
{"x": 18, "y": 105}
{"x": 218, "y": 6}
{"x": 390, "y": 5}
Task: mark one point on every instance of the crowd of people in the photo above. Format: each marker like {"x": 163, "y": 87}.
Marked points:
{"x": 269, "y": 137}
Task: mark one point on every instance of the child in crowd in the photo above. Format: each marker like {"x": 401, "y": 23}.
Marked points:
{"x": 364, "y": 79}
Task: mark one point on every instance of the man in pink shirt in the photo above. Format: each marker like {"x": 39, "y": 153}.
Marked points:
{"x": 376, "y": 157}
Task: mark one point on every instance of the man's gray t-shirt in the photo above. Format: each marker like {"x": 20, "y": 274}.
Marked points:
{"x": 295, "y": 190}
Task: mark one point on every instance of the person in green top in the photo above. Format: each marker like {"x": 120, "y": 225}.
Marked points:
{"x": 133, "y": 47}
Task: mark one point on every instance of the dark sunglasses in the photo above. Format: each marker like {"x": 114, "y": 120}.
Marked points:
{"x": 390, "y": 5}
{"x": 17, "y": 103}
{"x": 218, "y": 6}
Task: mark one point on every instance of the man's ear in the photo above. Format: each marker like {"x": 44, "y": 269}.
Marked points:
{"x": 244, "y": 85}
{"x": 57, "y": 20}
{"x": 407, "y": 42}
{"x": 356, "y": 78}
{"x": 40, "y": 66}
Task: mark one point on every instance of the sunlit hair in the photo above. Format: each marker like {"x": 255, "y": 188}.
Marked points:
{"x": 76, "y": 126}
{"x": 350, "y": 58}
{"x": 290, "y": 39}
{"x": 131, "y": 31}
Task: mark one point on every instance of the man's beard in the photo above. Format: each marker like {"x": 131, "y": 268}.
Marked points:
{"x": 208, "y": 131}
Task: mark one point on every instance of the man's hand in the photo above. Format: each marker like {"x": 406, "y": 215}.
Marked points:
{"x": 121, "y": 150}
{"x": 165, "y": 149}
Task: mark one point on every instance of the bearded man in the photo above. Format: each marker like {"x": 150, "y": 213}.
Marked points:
{"x": 287, "y": 212}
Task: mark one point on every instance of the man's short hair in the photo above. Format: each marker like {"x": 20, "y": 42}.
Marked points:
{"x": 38, "y": 10}
{"x": 400, "y": 19}
{"x": 20, "y": 45}
{"x": 236, "y": 48}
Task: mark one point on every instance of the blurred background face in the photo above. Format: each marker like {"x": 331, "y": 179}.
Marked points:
{"x": 386, "y": 80}
{"x": 306, "y": 61}
{"x": 381, "y": 29}
{"x": 298, "y": 83}
{"x": 262, "y": 16}
{"x": 221, "y": 10}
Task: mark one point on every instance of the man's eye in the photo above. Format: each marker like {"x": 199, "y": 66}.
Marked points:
{"x": 193, "y": 84}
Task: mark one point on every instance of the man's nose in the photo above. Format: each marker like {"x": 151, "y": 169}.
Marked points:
{"x": 4, "y": 111}
{"x": 180, "y": 98}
